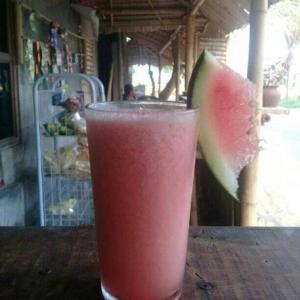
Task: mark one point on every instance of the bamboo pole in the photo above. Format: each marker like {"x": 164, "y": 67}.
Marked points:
{"x": 169, "y": 42}
{"x": 177, "y": 66}
{"x": 159, "y": 74}
{"x": 196, "y": 40}
{"x": 106, "y": 29}
{"x": 142, "y": 12}
{"x": 111, "y": 15}
{"x": 140, "y": 22}
{"x": 255, "y": 73}
{"x": 194, "y": 205}
{"x": 196, "y": 7}
{"x": 189, "y": 56}
{"x": 189, "y": 60}
{"x": 146, "y": 25}
{"x": 185, "y": 3}
{"x": 125, "y": 58}
{"x": 121, "y": 64}
{"x": 19, "y": 33}
{"x": 110, "y": 83}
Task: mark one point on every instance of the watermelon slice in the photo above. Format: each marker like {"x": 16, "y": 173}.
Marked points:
{"x": 228, "y": 113}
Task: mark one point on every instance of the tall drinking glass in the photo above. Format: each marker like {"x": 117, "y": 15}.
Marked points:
{"x": 142, "y": 161}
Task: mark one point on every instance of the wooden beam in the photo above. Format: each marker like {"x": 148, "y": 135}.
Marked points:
{"x": 169, "y": 42}
{"x": 185, "y": 3}
{"x": 248, "y": 187}
{"x": 153, "y": 52}
{"x": 135, "y": 29}
{"x": 275, "y": 110}
{"x": 148, "y": 44}
{"x": 159, "y": 37}
{"x": 140, "y": 18}
{"x": 189, "y": 50}
{"x": 149, "y": 22}
{"x": 196, "y": 7}
{"x": 205, "y": 27}
{"x": 146, "y": 39}
{"x": 135, "y": 59}
{"x": 153, "y": 8}
{"x": 142, "y": 11}
{"x": 140, "y": 25}
{"x": 136, "y": 49}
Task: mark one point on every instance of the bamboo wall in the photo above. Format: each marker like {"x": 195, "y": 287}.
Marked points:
{"x": 217, "y": 46}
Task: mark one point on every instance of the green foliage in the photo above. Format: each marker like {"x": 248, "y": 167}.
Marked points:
{"x": 290, "y": 103}
{"x": 168, "y": 68}
{"x": 285, "y": 15}
{"x": 287, "y": 12}
{"x": 276, "y": 74}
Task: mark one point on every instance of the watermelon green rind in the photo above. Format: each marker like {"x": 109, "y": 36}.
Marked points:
{"x": 197, "y": 96}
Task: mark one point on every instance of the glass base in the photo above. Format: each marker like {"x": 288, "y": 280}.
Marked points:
{"x": 107, "y": 296}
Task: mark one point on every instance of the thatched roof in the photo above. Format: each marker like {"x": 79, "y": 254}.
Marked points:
{"x": 150, "y": 23}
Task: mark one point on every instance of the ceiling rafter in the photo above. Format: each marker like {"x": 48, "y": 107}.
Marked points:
{"x": 142, "y": 11}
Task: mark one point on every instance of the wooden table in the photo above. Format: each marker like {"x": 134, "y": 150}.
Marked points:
{"x": 223, "y": 263}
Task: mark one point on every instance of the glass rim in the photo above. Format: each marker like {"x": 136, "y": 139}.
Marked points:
{"x": 126, "y": 107}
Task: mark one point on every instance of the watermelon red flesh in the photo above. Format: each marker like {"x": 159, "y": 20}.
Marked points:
{"x": 227, "y": 108}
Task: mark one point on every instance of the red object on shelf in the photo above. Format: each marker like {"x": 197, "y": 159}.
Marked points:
{"x": 87, "y": 3}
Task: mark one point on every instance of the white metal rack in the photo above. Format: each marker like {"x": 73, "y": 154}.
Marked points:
{"x": 64, "y": 198}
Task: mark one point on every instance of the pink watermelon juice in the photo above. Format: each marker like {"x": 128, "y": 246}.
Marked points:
{"x": 142, "y": 161}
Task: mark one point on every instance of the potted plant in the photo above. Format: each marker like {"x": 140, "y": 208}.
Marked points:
{"x": 274, "y": 76}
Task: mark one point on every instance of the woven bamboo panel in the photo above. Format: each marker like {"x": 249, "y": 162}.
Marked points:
{"x": 89, "y": 57}
{"x": 218, "y": 47}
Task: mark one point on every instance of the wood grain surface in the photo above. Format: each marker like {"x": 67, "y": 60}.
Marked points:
{"x": 222, "y": 263}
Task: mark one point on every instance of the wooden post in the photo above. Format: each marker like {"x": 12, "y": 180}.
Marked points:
{"x": 194, "y": 205}
{"x": 116, "y": 87}
{"x": 125, "y": 59}
{"x": 19, "y": 33}
{"x": 110, "y": 83}
{"x": 159, "y": 74}
{"x": 111, "y": 15}
{"x": 189, "y": 62}
{"x": 190, "y": 40}
{"x": 177, "y": 67}
{"x": 120, "y": 64}
{"x": 189, "y": 55}
{"x": 196, "y": 40}
{"x": 255, "y": 73}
